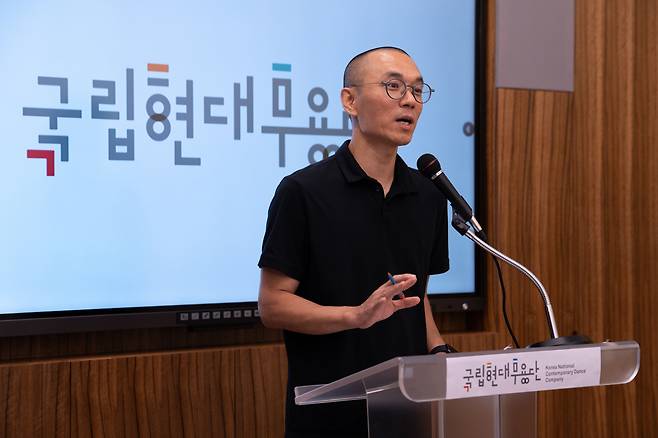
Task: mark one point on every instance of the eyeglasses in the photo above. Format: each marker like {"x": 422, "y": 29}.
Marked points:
{"x": 396, "y": 89}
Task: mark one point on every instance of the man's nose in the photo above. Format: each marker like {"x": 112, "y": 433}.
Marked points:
{"x": 408, "y": 99}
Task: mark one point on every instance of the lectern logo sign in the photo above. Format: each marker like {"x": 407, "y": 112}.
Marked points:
{"x": 489, "y": 373}
{"x": 521, "y": 371}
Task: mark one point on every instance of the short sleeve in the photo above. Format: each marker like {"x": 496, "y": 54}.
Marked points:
{"x": 285, "y": 241}
{"x": 439, "y": 261}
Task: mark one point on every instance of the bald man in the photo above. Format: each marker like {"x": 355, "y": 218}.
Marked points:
{"x": 336, "y": 229}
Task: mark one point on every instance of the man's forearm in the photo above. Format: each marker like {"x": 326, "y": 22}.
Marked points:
{"x": 280, "y": 307}
{"x": 288, "y": 311}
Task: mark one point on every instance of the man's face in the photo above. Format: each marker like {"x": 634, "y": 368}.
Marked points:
{"x": 380, "y": 119}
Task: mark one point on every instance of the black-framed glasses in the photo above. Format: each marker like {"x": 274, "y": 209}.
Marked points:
{"x": 396, "y": 89}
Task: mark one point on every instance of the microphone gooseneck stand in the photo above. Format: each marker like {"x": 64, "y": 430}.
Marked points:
{"x": 464, "y": 229}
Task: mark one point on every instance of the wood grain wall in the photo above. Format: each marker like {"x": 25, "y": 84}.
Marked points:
{"x": 210, "y": 392}
{"x": 232, "y": 392}
{"x": 572, "y": 192}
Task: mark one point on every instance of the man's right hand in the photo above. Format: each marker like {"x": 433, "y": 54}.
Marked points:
{"x": 280, "y": 307}
{"x": 381, "y": 305}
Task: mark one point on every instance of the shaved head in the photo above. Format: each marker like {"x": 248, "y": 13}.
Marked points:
{"x": 377, "y": 118}
{"x": 354, "y": 68}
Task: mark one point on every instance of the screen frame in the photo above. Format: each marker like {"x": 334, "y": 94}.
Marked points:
{"x": 476, "y": 300}
{"x": 104, "y": 319}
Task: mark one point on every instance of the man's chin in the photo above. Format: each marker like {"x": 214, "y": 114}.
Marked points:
{"x": 403, "y": 141}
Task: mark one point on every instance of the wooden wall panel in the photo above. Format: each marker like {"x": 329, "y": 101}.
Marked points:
{"x": 645, "y": 212}
{"x": 619, "y": 228}
{"x": 221, "y": 392}
{"x": 225, "y": 392}
{"x": 133, "y": 341}
{"x": 574, "y": 194}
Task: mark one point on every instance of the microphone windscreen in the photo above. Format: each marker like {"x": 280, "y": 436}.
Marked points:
{"x": 428, "y": 165}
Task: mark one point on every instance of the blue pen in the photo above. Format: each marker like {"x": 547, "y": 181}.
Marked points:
{"x": 390, "y": 277}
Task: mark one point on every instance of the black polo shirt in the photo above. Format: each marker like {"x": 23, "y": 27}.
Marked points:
{"x": 330, "y": 227}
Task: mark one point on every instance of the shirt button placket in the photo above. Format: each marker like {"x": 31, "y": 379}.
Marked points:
{"x": 380, "y": 198}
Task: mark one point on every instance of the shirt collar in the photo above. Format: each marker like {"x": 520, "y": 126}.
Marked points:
{"x": 352, "y": 171}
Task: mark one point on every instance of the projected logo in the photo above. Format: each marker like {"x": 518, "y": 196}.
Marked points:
{"x": 53, "y": 116}
{"x": 121, "y": 146}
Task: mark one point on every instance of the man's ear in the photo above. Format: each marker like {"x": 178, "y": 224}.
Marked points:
{"x": 348, "y": 99}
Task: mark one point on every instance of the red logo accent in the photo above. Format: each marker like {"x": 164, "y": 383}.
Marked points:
{"x": 47, "y": 155}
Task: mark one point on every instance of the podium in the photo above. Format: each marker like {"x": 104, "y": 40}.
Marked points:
{"x": 484, "y": 394}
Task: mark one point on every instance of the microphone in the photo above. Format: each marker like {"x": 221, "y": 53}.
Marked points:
{"x": 429, "y": 166}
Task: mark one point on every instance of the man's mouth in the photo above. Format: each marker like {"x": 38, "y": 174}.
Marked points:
{"x": 406, "y": 121}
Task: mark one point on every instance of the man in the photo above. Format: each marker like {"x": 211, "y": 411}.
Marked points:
{"x": 334, "y": 231}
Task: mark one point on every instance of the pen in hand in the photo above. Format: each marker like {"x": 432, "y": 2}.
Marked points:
{"x": 392, "y": 280}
